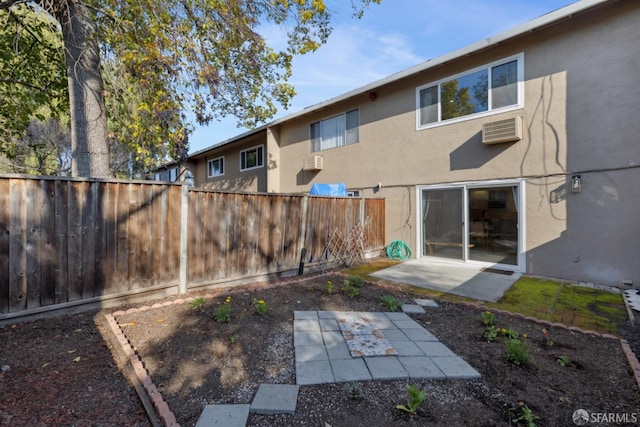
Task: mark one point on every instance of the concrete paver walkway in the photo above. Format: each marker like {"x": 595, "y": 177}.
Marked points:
{"x": 322, "y": 355}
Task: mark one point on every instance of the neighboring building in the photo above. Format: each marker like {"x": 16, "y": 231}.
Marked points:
{"x": 520, "y": 151}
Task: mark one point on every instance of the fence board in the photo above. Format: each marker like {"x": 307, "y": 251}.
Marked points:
{"x": 17, "y": 261}
{"x": 48, "y": 251}
{"x": 33, "y": 242}
{"x": 109, "y": 266}
{"x": 5, "y": 219}
{"x": 62, "y": 241}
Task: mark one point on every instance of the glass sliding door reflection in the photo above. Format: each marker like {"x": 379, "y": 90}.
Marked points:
{"x": 442, "y": 224}
{"x": 493, "y": 224}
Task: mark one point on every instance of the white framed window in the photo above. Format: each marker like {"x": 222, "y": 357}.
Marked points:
{"x": 336, "y": 131}
{"x": 252, "y": 158}
{"x": 495, "y": 87}
{"x": 353, "y": 193}
{"x": 173, "y": 175}
{"x": 215, "y": 167}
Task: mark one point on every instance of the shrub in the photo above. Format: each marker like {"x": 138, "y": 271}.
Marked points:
{"x": 518, "y": 351}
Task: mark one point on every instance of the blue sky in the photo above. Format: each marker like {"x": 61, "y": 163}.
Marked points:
{"x": 392, "y": 36}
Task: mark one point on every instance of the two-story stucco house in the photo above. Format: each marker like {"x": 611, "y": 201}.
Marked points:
{"x": 521, "y": 151}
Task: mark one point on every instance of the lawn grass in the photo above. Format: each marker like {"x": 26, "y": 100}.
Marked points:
{"x": 566, "y": 303}
{"x": 545, "y": 299}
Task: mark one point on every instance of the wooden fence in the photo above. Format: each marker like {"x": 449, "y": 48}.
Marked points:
{"x": 67, "y": 241}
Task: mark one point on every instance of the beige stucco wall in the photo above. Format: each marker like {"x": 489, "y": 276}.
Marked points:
{"x": 253, "y": 180}
{"x": 581, "y": 92}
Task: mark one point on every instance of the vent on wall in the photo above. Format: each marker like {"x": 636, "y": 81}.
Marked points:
{"x": 507, "y": 130}
{"x": 313, "y": 163}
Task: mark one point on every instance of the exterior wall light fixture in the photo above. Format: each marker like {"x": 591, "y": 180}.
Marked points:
{"x": 576, "y": 184}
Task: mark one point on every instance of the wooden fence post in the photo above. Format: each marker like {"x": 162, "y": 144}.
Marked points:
{"x": 184, "y": 237}
{"x": 303, "y": 232}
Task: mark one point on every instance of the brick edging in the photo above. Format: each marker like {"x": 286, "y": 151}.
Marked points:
{"x": 626, "y": 349}
{"x": 163, "y": 411}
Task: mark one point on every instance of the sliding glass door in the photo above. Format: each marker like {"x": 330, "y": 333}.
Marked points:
{"x": 472, "y": 222}
{"x": 443, "y": 232}
{"x": 493, "y": 224}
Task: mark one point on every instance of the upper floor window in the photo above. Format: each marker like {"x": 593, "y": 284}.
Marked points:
{"x": 252, "y": 158}
{"x": 336, "y": 131}
{"x": 496, "y": 86}
{"x": 216, "y": 167}
{"x": 170, "y": 175}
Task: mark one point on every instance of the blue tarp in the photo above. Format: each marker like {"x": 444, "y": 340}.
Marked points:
{"x": 336, "y": 190}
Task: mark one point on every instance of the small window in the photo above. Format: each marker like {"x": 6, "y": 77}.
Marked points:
{"x": 173, "y": 175}
{"x": 497, "y": 86}
{"x": 252, "y": 158}
{"x": 216, "y": 167}
{"x": 353, "y": 193}
{"x": 337, "y": 131}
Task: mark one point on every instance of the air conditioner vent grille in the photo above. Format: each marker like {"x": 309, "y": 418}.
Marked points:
{"x": 507, "y": 130}
{"x": 314, "y": 163}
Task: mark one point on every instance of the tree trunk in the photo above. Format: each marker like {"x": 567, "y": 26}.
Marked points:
{"x": 90, "y": 151}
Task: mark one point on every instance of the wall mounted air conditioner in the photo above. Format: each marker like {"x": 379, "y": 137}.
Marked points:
{"x": 507, "y": 130}
{"x": 313, "y": 163}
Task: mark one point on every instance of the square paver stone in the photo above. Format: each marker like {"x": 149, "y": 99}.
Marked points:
{"x": 412, "y": 309}
{"x": 434, "y": 348}
{"x": 332, "y": 337}
{"x": 329, "y": 325}
{"x": 455, "y": 367}
{"x": 419, "y": 334}
{"x": 275, "y": 399}
{"x": 306, "y": 325}
{"x": 350, "y": 370}
{"x": 398, "y": 316}
{"x": 407, "y": 348}
{"x": 307, "y": 337}
{"x": 316, "y": 372}
{"x": 338, "y": 351}
{"x": 385, "y": 368}
{"x": 224, "y": 416}
{"x": 426, "y": 302}
{"x": 421, "y": 367}
{"x": 311, "y": 353}
{"x": 299, "y": 315}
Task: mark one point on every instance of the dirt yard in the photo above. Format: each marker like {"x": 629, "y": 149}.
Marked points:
{"x": 65, "y": 370}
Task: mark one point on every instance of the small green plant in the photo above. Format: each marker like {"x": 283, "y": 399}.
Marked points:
{"x": 353, "y": 390}
{"x": 196, "y": 303}
{"x": 565, "y": 361}
{"x": 522, "y": 414}
{"x": 391, "y": 302}
{"x": 510, "y": 333}
{"x": 223, "y": 312}
{"x": 260, "y": 306}
{"x": 545, "y": 335}
{"x": 488, "y": 318}
{"x": 329, "y": 287}
{"x": 348, "y": 289}
{"x": 518, "y": 351}
{"x": 416, "y": 397}
{"x": 490, "y": 333}
{"x": 356, "y": 281}
{"x": 233, "y": 338}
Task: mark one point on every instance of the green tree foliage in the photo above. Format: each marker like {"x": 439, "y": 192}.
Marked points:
{"x": 33, "y": 80}
{"x": 159, "y": 60}
{"x": 455, "y": 102}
